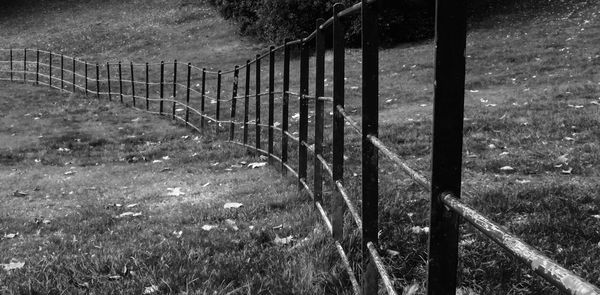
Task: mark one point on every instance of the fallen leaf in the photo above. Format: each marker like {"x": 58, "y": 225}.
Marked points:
{"x": 232, "y": 205}
{"x": 156, "y": 161}
{"x": 523, "y": 181}
{"x": 129, "y": 213}
{"x": 206, "y": 184}
{"x": 131, "y": 205}
{"x": 208, "y": 227}
{"x": 507, "y": 168}
{"x": 563, "y": 158}
{"x": 11, "y": 236}
{"x": 13, "y": 264}
{"x": 177, "y": 234}
{"x": 231, "y": 224}
{"x": 70, "y": 172}
{"x": 503, "y": 153}
{"x": 597, "y": 216}
{"x": 151, "y": 289}
{"x": 135, "y": 120}
{"x": 263, "y": 157}
{"x": 417, "y": 229}
{"x": 165, "y": 158}
{"x": 175, "y": 191}
{"x": 114, "y": 277}
{"x": 283, "y": 241}
{"x": 569, "y": 138}
{"x": 257, "y": 165}
{"x": 18, "y": 193}
{"x": 568, "y": 171}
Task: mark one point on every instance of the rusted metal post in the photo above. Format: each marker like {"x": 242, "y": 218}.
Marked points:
{"x": 202, "y": 98}
{"x": 73, "y": 60}
{"x": 132, "y": 83}
{"x": 303, "y": 128}
{"x": 62, "y": 72}
{"x": 319, "y": 110}
{"x": 108, "y": 79}
{"x": 24, "y": 65}
{"x": 370, "y": 160}
{"x": 37, "y": 67}
{"x": 285, "y": 106}
{"x": 187, "y": 94}
{"x": 11, "y": 64}
{"x": 257, "y": 96}
{"x": 246, "y": 101}
{"x": 218, "y": 114}
{"x": 236, "y": 73}
{"x": 174, "y": 89}
{"x": 98, "y": 81}
{"x": 338, "y": 121}
{"x": 50, "y": 69}
{"x": 86, "y": 77}
{"x": 147, "y": 86}
{"x": 120, "y": 82}
{"x": 448, "y": 111}
{"x": 162, "y": 87}
{"x": 271, "y": 101}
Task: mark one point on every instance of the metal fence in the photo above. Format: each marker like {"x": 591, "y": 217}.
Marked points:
{"x": 196, "y": 97}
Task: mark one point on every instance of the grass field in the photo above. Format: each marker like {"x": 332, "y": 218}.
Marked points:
{"x": 532, "y": 98}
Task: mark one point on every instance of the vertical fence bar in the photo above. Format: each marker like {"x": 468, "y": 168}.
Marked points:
{"x": 448, "y": 112}
{"x": 370, "y": 160}
{"x": 11, "y": 64}
{"x": 236, "y": 73}
{"x": 86, "y": 78}
{"x": 218, "y": 115}
{"x": 257, "y": 97}
{"x": 285, "y": 106}
{"x": 120, "y": 81}
{"x": 108, "y": 79}
{"x": 162, "y": 87}
{"x": 319, "y": 110}
{"x": 303, "y": 129}
{"x": 37, "y": 67}
{"x": 62, "y": 72}
{"x": 246, "y": 101}
{"x": 97, "y": 81}
{"x": 73, "y": 61}
{"x": 202, "y": 98}
{"x": 147, "y": 86}
{"x": 24, "y": 65}
{"x": 50, "y": 69}
{"x": 132, "y": 83}
{"x": 271, "y": 100}
{"x": 338, "y": 120}
{"x": 187, "y": 94}
{"x": 174, "y": 89}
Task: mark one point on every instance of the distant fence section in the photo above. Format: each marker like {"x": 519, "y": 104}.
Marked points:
{"x": 234, "y": 103}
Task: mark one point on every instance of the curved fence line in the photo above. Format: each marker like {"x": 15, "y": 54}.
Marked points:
{"x": 183, "y": 102}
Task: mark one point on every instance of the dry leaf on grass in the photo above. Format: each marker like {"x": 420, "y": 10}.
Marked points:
{"x": 232, "y": 205}
{"x": 13, "y": 264}
{"x": 418, "y": 230}
{"x": 568, "y": 171}
{"x": 507, "y": 168}
{"x": 177, "y": 234}
{"x": 283, "y": 241}
{"x": 175, "y": 191}
{"x": 129, "y": 213}
{"x": 257, "y": 165}
{"x": 209, "y": 227}
{"x": 18, "y": 193}
{"x": 151, "y": 289}
{"x": 11, "y": 236}
{"x": 231, "y": 224}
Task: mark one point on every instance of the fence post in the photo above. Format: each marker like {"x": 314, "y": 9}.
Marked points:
{"x": 246, "y": 102}
{"x": 218, "y": 115}
{"x": 86, "y": 78}
{"x": 202, "y": 98}
{"x": 236, "y": 72}
{"x": 187, "y": 94}
{"x": 24, "y": 65}
{"x": 120, "y": 82}
{"x": 162, "y": 87}
{"x": 370, "y": 125}
{"x": 62, "y": 72}
{"x": 271, "y": 101}
{"x": 11, "y": 64}
{"x": 74, "y": 81}
{"x": 37, "y": 67}
{"x": 50, "y": 69}
{"x": 303, "y": 129}
{"x": 147, "y": 86}
{"x": 97, "y": 81}
{"x": 338, "y": 121}
{"x": 285, "y": 106}
{"x": 319, "y": 109}
{"x": 257, "y": 96}
{"x": 132, "y": 83}
{"x": 174, "y": 89}
{"x": 108, "y": 79}
{"x": 448, "y": 111}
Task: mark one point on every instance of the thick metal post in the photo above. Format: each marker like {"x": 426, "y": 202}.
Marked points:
{"x": 257, "y": 96}
{"x": 97, "y": 80}
{"x": 147, "y": 86}
{"x": 62, "y": 72}
{"x": 271, "y": 101}
{"x": 303, "y": 128}
{"x": 174, "y": 89}
{"x": 120, "y": 82}
{"x": 11, "y": 64}
{"x": 187, "y": 93}
{"x": 162, "y": 87}
{"x": 218, "y": 115}
{"x": 370, "y": 125}
{"x": 73, "y": 60}
{"x": 108, "y": 79}
{"x": 50, "y": 69}
{"x": 448, "y": 112}
{"x": 202, "y": 98}
{"x": 132, "y": 83}
{"x": 236, "y": 73}
{"x": 338, "y": 121}
{"x": 86, "y": 77}
{"x": 285, "y": 106}
{"x": 37, "y": 67}
{"x": 319, "y": 110}
{"x": 24, "y": 65}
{"x": 246, "y": 101}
